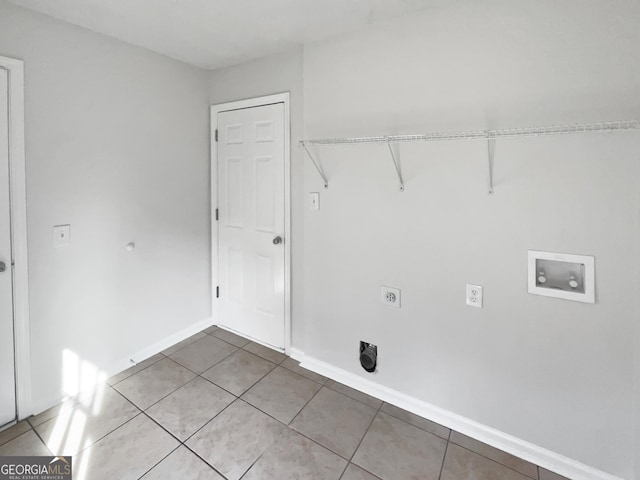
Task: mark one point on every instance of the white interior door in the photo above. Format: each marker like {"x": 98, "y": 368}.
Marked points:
{"x": 7, "y": 368}
{"x": 251, "y": 202}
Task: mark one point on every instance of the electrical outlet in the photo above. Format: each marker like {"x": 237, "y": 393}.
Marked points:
{"x": 474, "y": 296}
{"x": 390, "y": 296}
{"x": 61, "y": 235}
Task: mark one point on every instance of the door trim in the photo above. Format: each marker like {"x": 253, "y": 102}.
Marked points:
{"x": 238, "y": 105}
{"x": 17, "y": 182}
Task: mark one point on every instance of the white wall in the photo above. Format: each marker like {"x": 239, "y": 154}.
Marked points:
{"x": 117, "y": 146}
{"x": 266, "y": 76}
{"x": 555, "y": 373}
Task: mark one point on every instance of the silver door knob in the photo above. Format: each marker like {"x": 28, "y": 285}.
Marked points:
{"x": 3, "y": 267}
{"x": 277, "y": 240}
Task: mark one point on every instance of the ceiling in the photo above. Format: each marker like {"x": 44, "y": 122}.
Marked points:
{"x": 217, "y": 33}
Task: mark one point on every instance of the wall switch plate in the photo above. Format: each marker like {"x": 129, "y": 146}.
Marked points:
{"x": 390, "y": 296}
{"x": 314, "y": 201}
{"x": 61, "y": 235}
{"x": 474, "y": 296}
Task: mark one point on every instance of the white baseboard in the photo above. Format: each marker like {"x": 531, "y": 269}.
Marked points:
{"x": 158, "y": 347}
{"x": 527, "y": 451}
{"x": 129, "y": 361}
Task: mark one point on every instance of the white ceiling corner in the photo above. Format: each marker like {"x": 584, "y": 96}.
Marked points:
{"x": 216, "y": 33}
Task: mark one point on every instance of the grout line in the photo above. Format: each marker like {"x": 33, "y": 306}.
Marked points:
{"x": 209, "y": 421}
{"x": 305, "y": 405}
{"x": 366, "y": 431}
{"x": 500, "y": 463}
{"x": 256, "y": 461}
{"x": 344, "y": 470}
{"x": 158, "y": 463}
{"x": 133, "y": 366}
{"x": 349, "y": 388}
{"x": 448, "y": 436}
{"x": 205, "y": 462}
{"x": 181, "y": 443}
{"x": 444, "y": 458}
{"x": 19, "y": 435}
{"x": 264, "y": 358}
{"x": 292, "y": 370}
{"x": 73, "y": 408}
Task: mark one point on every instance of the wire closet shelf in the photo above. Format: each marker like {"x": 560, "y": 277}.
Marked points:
{"x": 488, "y": 135}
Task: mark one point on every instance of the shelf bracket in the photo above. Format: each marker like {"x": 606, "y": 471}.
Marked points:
{"x": 316, "y": 164}
{"x": 397, "y": 165}
{"x": 491, "y": 153}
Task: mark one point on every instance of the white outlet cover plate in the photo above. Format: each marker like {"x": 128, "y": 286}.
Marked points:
{"x": 61, "y": 235}
{"x": 314, "y": 201}
{"x": 474, "y": 296}
{"x": 387, "y": 292}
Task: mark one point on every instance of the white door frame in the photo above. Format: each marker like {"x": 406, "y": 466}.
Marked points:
{"x": 237, "y": 105}
{"x": 17, "y": 182}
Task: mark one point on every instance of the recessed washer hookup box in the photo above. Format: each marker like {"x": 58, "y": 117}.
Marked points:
{"x": 562, "y": 275}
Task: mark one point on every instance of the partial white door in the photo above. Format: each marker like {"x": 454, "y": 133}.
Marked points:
{"x": 7, "y": 367}
{"x": 251, "y": 202}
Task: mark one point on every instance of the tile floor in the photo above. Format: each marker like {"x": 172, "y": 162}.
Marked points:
{"x": 216, "y": 406}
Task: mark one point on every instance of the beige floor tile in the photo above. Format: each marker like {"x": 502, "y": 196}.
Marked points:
{"x": 77, "y": 427}
{"x": 294, "y": 456}
{"x": 14, "y": 431}
{"x": 394, "y": 450}
{"x": 499, "y": 456}
{"x": 355, "y": 394}
{"x": 25, "y": 445}
{"x": 416, "y": 421}
{"x": 187, "y": 409}
{"x": 547, "y": 475}
{"x": 239, "y": 371}
{"x": 281, "y": 394}
{"x": 335, "y": 421}
{"x": 353, "y": 472}
{"x": 154, "y": 383}
{"x": 211, "y": 329}
{"x": 135, "y": 369}
{"x": 184, "y": 343}
{"x": 235, "y": 439}
{"x": 294, "y": 366}
{"x": 126, "y": 453}
{"x": 230, "y": 337}
{"x": 203, "y": 354}
{"x": 265, "y": 352}
{"x": 463, "y": 464}
{"x": 182, "y": 464}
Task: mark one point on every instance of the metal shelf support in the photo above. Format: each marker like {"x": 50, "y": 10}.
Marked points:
{"x": 397, "y": 165}
{"x": 317, "y": 164}
{"x": 491, "y": 153}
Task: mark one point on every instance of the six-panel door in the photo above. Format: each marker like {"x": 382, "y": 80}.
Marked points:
{"x": 251, "y": 206}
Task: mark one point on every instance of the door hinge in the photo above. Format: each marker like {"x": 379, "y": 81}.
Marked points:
{"x": 216, "y": 214}
{"x": 216, "y": 135}
{"x": 217, "y": 292}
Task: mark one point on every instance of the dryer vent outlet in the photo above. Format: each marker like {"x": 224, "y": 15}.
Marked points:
{"x": 368, "y": 356}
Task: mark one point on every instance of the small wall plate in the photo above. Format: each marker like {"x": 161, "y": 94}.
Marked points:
{"x": 580, "y": 267}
